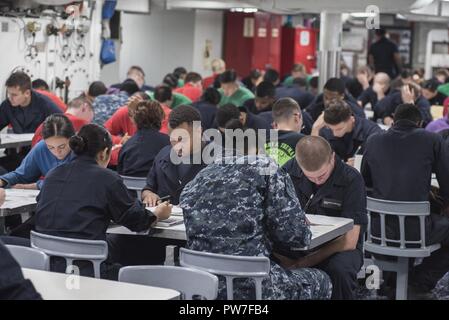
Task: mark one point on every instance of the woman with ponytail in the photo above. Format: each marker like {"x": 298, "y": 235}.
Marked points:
{"x": 79, "y": 199}
{"x": 44, "y": 156}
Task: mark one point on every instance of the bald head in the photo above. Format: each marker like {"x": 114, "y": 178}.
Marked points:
{"x": 382, "y": 78}
{"x": 313, "y": 152}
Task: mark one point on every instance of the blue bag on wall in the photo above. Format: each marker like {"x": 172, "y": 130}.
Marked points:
{"x": 108, "y": 9}
{"x": 107, "y": 54}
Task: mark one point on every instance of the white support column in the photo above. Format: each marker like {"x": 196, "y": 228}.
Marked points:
{"x": 331, "y": 29}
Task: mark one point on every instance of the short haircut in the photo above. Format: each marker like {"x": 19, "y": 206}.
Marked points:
{"x": 298, "y": 67}
{"x": 271, "y": 75}
{"x": 255, "y": 74}
{"x": 193, "y": 77}
{"x": 96, "y": 89}
{"x": 225, "y": 113}
{"x": 40, "y": 84}
{"x": 409, "y": 112}
{"x": 406, "y": 73}
{"x": 228, "y": 76}
{"x": 179, "y": 71}
{"x": 137, "y": 68}
{"x": 233, "y": 137}
{"x": 148, "y": 115}
{"x": 443, "y": 72}
{"x": 57, "y": 125}
{"x": 284, "y": 109}
{"x": 183, "y": 114}
{"x": 162, "y": 93}
{"x": 337, "y": 112}
{"x": 19, "y": 79}
{"x": 129, "y": 86}
{"x": 78, "y": 102}
{"x": 335, "y": 85}
{"x": 312, "y": 152}
{"x": 211, "y": 95}
{"x": 313, "y": 82}
{"x": 380, "y": 32}
{"x": 217, "y": 65}
{"x": 431, "y": 85}
{"x": 170, "y": 80}
{"x": 364, "y": 69}
{"x": 265, "y": 89}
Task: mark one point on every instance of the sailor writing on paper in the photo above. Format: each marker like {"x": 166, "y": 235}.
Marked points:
{"x": 325, "y": 185}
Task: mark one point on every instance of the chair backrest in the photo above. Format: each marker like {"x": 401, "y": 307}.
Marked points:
{"x": 401, "y": 210}
{"x": 29, "y": 257}
{"x": 228, "y": 266}
{"x": 70, "y": 249}
{"x": 134, "y": 183}
{"x": 189, "y": 282}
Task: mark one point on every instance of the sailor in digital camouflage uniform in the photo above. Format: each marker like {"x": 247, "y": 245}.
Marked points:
{"x": 246, "y": 205}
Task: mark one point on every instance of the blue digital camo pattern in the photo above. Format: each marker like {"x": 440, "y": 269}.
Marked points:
{"x": 237, "y": 208}
{"x": 441, "y": 290}
{"x": 106, "y": 104}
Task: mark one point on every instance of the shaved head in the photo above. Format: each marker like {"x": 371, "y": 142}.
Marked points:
{"x": 313, "y": 152}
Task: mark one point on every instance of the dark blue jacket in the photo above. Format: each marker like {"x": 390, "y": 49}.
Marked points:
{"x": 303, "y": 98}
{"x": 387, "y": 106}
{"x": 137, "y": 154}
{"x": 164, "y": 179}
{"x": 207, "y": 112}
{"x": 13, "y": 286}
{"x": 27, "y": 119}
{"x": 342, "y": 195}
{"x": 398, "y": 163}
{"x": 79, "y": 200}
{"x": 317, "y": 107}
{"x": 347, "y": 146}
{"x": 255, "y": 122}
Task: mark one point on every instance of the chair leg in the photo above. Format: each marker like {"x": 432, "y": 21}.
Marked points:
{"x": 69, "y": 268}
{"x": 258, "y": 283}
{"x": 230, "y": 288}
{"x": 97, "y": 273}
{"x": 402, "y": 279}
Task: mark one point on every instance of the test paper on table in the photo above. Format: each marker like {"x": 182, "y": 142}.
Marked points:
{"x": 175, "y": 210}
{"x": 318, "y": 221}
{"x": 172, "y": 221}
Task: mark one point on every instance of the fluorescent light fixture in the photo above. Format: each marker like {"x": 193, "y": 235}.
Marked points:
{"x": 203, "y": 4}
{"x": 363, "y": 14}
{"x": 401, "y": 16}
{"x": 244, "y": 10}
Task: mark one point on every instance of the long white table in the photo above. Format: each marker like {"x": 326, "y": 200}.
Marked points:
{"x": 60, "y": 286}
{"x": 323, "y": 229}
{"x": 15, "y": 140}
{"x": 17, "y": 201}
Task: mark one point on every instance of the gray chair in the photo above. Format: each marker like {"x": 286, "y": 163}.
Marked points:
{"x": 189, "y": 282}
{"x": 229, "y": 266}
{"x": 95, "y": 251}
{"x": 29, "y": 257}
{"x": 135, "y": 183}
{"x": 401, "y": 250}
